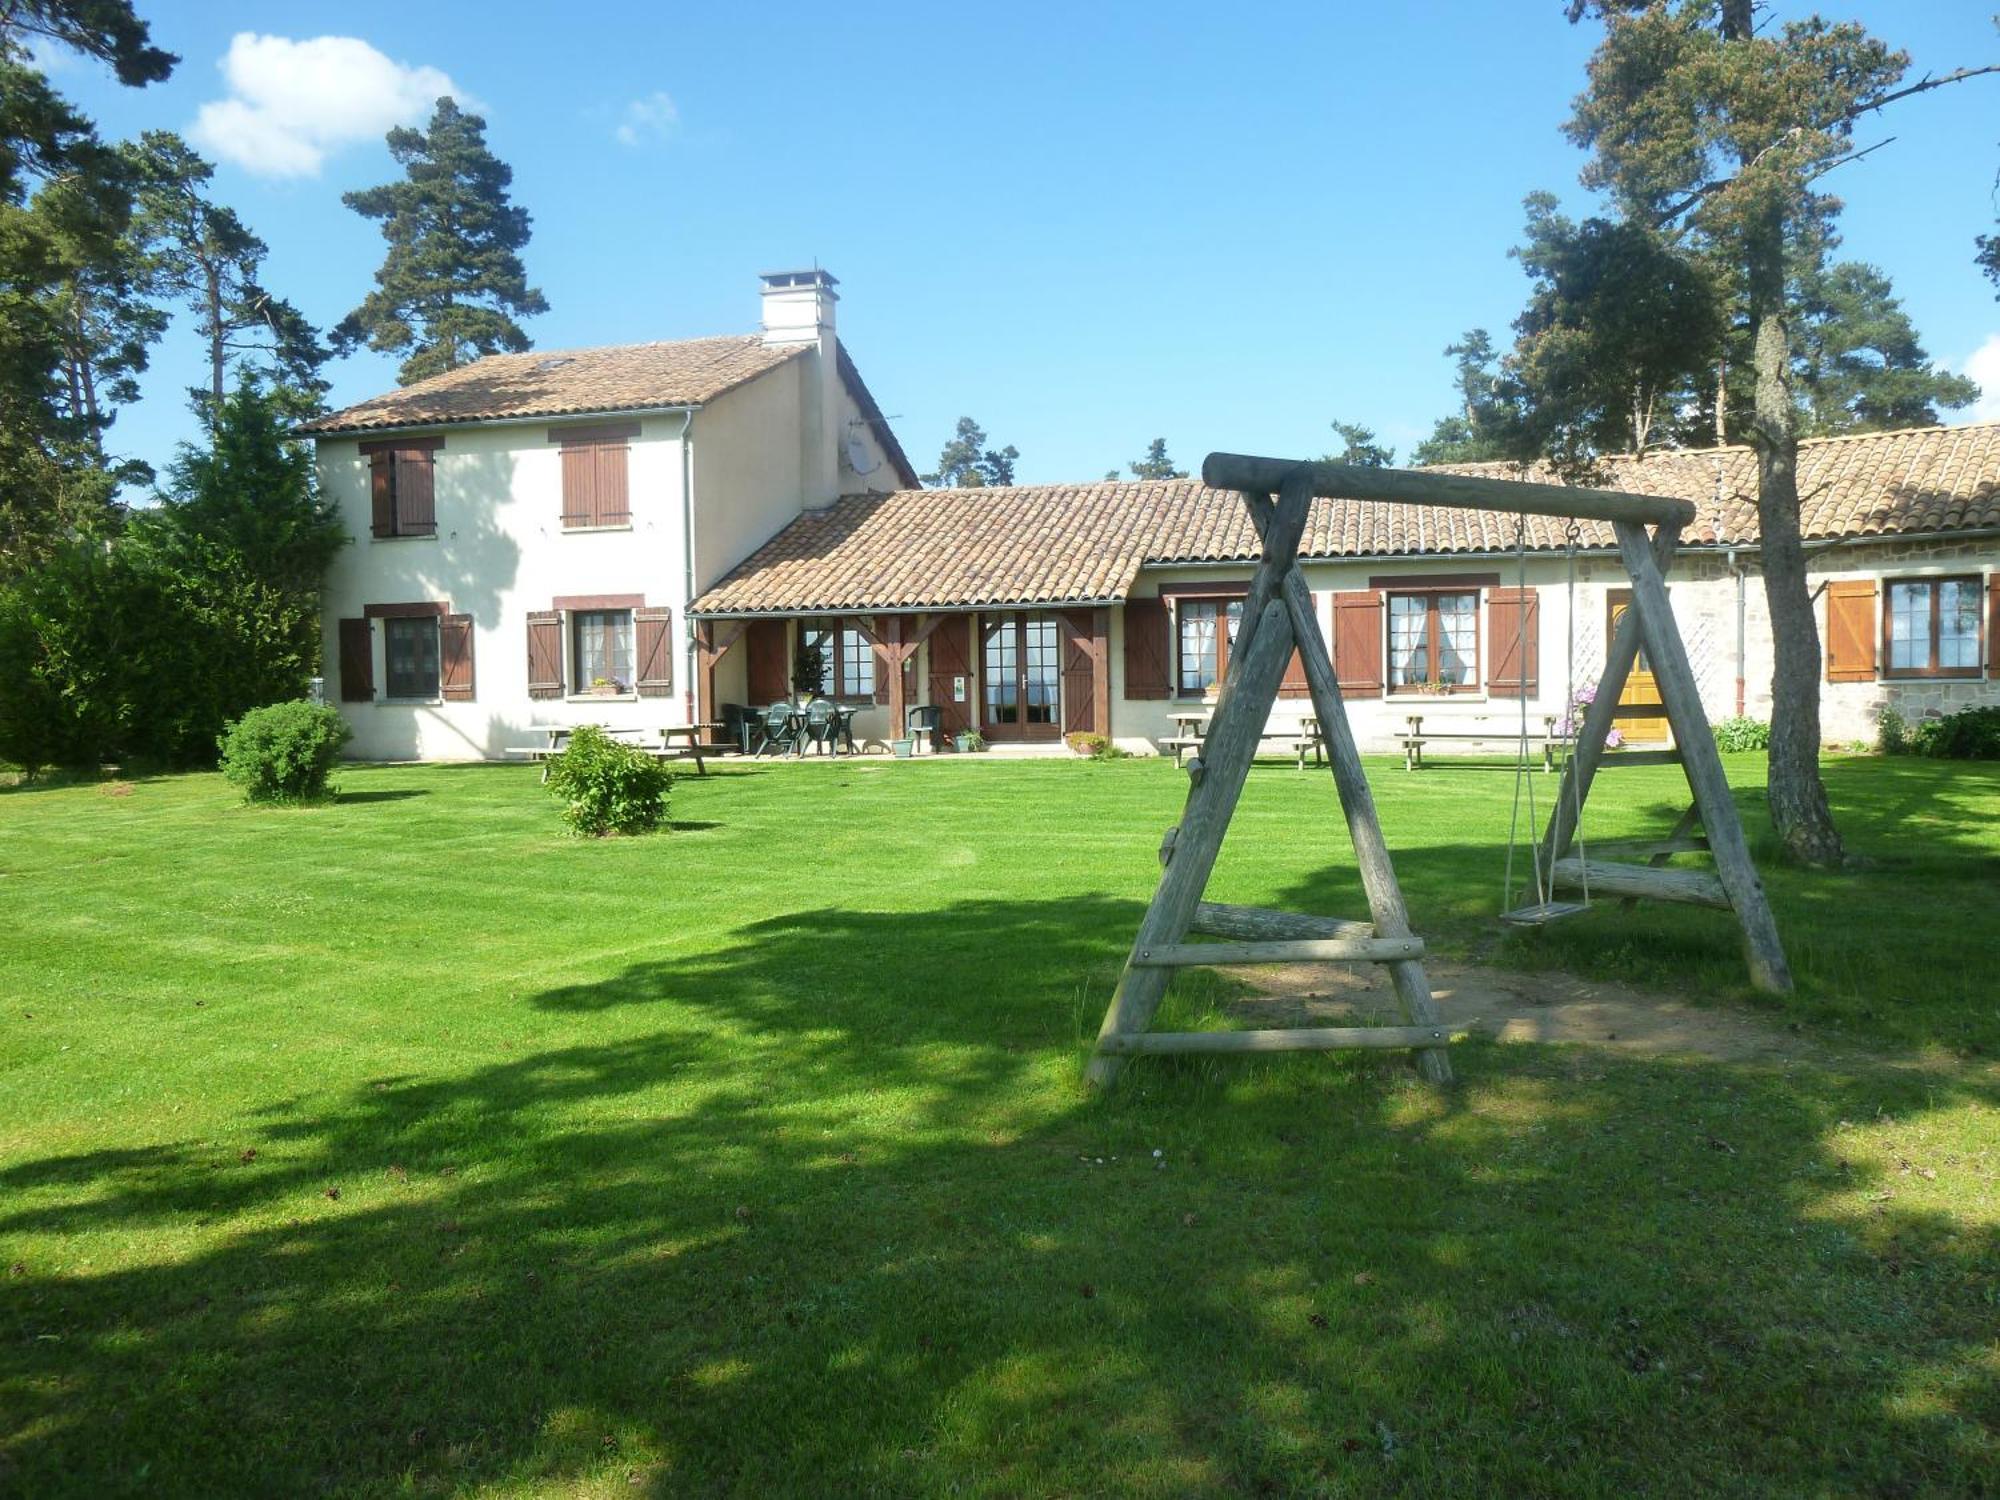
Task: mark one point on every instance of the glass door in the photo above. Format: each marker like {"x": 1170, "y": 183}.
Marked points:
{"x": 1021, "y": 673}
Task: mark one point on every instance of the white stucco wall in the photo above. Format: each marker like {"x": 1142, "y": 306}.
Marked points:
{"x": 500, "y": 552}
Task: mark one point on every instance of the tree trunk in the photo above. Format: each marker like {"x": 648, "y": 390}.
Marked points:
{"x": 1722, "y": 403}
{"x": 1799, "y": 808}
{"x": 215, "y": 350}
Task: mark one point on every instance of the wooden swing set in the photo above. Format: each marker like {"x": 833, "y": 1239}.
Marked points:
{"x": 1278, "y": 616}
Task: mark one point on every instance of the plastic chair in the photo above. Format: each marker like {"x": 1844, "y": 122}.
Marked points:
{"x": 822, "y": 725}
{"x": 925, "y": 721}
{"x": 781, "y": 732}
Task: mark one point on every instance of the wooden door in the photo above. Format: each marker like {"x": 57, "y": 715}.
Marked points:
{"x": 951, "y": 673}
{"x": 1641, "y": 689}
{"x": 1020, "y": 677}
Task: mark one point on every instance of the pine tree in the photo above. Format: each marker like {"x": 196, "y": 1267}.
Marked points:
{"x": 452, "y": 284}
{"x": 1861, "y": 366}
{"x": 1703, "y": 125}
{"x": 1156, "y": 464}
{"x": 1474, "y": 433}
{"x": 202, "y": 253}
{"x": 967, "y": 463}
{"x": 1362, "y": 449}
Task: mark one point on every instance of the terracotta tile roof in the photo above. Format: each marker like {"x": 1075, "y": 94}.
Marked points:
{"x": 1046, "y": 544}
{"x": 560, "y": 382}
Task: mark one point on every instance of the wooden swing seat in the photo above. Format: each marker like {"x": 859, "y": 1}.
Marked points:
{"x": 1541, "y": 913}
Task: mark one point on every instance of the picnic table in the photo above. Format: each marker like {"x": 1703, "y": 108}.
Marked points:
{"x": 695, "y": 739}
{"x": 1191, "y": 728}
{"x": 1415, "y": 737}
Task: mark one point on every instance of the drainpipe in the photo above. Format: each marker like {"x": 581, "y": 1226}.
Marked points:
{"x": 1739, "y": 574}
{"x": 687, "y": 561}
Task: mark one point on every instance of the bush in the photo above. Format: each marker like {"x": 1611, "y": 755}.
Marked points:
{"x": 1739, "y": 733}
{"x": 284, "y": 752}
{"x": 608, "y": 787}
{"x": 1894, "y": 732}
{"x": 1969, "y": 734}
{"x": 1093, "y": 746}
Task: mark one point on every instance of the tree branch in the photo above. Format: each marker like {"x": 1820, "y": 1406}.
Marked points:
{"x": 1922, "y": 86}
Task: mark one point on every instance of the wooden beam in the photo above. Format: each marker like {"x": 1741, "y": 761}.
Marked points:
{"x": 1291, "y": 1039}
{"x": 1100, "y": 671}
{"x": 1236, "y": 471}
{"x": 896, "y": 655}
{"x": 1262, "y": 924}
{"x": 1681, "y": 698}
{"x": 1606, "y": 878}
{"x": 1372, "y": 950}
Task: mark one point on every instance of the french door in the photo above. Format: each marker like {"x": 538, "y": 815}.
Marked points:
{"x": 1020, "y": 671}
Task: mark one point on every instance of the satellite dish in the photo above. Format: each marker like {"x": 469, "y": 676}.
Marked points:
{"x": 857, "y": 454}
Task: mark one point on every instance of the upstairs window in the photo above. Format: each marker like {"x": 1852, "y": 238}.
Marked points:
{"x": 402, "y": 486}
{"x": 1433, "y": 641}
{"x": 1930, "y": 627}
{"x": 1206, "y": 632}
{"x": 596, "y": 490}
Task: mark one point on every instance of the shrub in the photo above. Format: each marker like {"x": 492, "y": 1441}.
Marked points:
{"x": 608, "y": 787}
{"x": 1093, "y": 746}
{"x": 1740, "y": 733}
{"x": 1895, "y": 732}
{"x": 285, "y": 751}
{"x": 1969, "y": 734}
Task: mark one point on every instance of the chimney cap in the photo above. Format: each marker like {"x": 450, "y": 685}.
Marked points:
{"x": 780, "y": 281}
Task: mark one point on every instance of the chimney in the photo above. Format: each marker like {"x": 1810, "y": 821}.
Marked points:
{"x": 798, "y": 309}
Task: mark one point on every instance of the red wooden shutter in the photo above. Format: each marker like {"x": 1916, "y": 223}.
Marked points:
{"x": 1079, "y": 677}
{"x": 545, "y": 653}
{"x": 1357, "y": 639}
{"x": 1514, "y": 641}
{"x": 382, "y": 493}
{"x": 656, "y": 651}
{"x": 1993, "y": 626}
{"x": 416, "y": 506}
{"x": 951, "y": 667}
{"x": 455, "y": 657}
{"x": 770, "y": 674}
{"x": 357, "y": 662}
{"x": 1146, "y": 653}
{"x": 1850, "y": 630}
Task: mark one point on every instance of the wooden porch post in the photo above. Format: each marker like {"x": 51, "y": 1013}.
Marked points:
{"x": 1100, "y": 670}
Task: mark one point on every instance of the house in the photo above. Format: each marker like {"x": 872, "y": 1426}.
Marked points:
{"x": 598, "y": 529}
{"x": 528, "y": 530}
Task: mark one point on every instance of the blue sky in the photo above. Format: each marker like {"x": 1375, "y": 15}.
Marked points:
{"x": 1086, "y": 224}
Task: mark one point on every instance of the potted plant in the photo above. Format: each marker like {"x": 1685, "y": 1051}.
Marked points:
{"x": 970, "y": 740}
{"x": 808, "y": 671}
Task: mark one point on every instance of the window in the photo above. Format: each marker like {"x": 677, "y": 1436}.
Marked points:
{"x": 1930, "y": 627}
{"x": 849, "y": 670}
{"x": 402, "y": 486}
{"x": 410, "y": 652}
{"x": 1204, "y": 648}
{"x": 602, "y": 645}
{"x": 1433, "y": 641}
{"x": 595, "y": 484}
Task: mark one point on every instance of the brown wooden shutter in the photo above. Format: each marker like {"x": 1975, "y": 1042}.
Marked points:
{"x": 1079, "y": 677}
{"x": 1146, "y": 653}
{"x": 656, "y": 651}
{"x": 357, "y": 661}
{"x": 614, "y": 505}
{"x": 416, "y": 505}
{"x": 1850, "y": 630}
{"x": 1993, "y": 626}
{"x": 1294, "y": 684}
{"x": 382, "y": 493}
{"x": 545, "y": 653}
{"x": 951, "y": 660}
{"x": 1514, "y": 641}
{"x": 770, "y": 674}
{"x": 579, "y": 486}
{"x": 455, "y": 657}
{"x": 1357, "y": 639}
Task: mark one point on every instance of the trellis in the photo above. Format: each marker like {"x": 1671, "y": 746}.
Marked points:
{"x": 1278, "y": 616}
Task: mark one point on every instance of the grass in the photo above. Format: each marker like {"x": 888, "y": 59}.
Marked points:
{"x": 403, "y": 1146}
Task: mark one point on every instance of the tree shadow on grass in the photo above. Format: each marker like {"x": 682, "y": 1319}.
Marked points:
{"x": 837, "y": 1218}
{"x": 385, "y": 794}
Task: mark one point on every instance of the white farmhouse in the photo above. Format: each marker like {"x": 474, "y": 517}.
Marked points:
{"x": 549, "y": 539}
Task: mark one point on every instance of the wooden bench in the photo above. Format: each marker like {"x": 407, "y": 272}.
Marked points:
{"x": 1181, "y": 746}
{"x": 1415, "y": 737}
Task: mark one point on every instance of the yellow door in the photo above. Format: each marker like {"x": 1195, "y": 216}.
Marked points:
{"x": 1641, "y": 690}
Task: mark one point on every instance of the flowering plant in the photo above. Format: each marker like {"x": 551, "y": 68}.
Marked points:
{"x": 1572, "y": 720}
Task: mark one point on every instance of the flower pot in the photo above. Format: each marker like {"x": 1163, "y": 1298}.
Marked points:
{"x": 970, "y": 742}
{"x": 903, "y": 749}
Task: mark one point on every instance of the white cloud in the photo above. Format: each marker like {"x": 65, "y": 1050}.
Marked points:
{"x": 1984, "y": 367}
{"x": 291, "y": 103}
{"x": 652, "y": 118}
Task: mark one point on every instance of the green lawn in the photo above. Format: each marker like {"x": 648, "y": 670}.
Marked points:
{"x": 403, "y": 1145}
